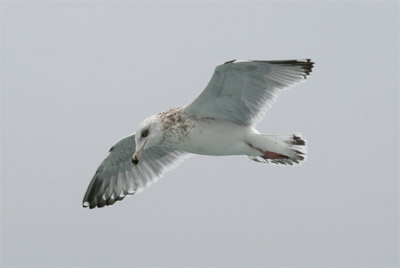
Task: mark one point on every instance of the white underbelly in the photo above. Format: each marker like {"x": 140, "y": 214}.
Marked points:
{"x": 214, "y": 137}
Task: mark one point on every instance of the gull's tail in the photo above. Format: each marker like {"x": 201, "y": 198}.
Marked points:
{"x": 278, "y": 149}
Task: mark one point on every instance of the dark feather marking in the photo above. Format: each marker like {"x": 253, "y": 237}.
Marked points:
{"x": 306, "y": 65}
{"x": 93, "y": 191}
{"x": 227, "y": 62}
{"x": 297, "y": 141}
{"x": 101, "y": 203}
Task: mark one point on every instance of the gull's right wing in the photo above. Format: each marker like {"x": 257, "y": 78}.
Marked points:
{"x": 117, "y": 177}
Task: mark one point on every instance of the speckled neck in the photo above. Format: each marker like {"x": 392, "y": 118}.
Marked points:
{"x": 175, "y": 124}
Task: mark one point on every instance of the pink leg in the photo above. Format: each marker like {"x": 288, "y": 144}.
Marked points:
{"x": 272, "y": 155}
{"x": 268, "y": 154}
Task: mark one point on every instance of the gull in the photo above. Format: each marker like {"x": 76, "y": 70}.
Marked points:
{"x": 220, "y": 121}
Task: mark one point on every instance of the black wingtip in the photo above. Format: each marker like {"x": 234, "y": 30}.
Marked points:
{"x": 98, "y": 202}
{"x": 306, "y": 64}
{"x": 231, "y": 61}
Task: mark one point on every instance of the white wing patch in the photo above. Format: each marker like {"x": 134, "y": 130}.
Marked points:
{"x": 117, "y": 178}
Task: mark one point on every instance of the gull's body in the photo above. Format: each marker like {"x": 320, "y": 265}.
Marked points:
{"x": 206, "y": 136}
{"x": 221, "y": 121}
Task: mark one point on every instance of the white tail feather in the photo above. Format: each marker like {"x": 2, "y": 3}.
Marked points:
{"x": 279, "y": 149}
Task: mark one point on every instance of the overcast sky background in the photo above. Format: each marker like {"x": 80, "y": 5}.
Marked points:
{"x": 78, "y": 76}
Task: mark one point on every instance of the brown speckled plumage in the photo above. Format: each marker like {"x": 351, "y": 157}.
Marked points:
{"x": 175, "y": 124}
{"x": 178, "y": 125}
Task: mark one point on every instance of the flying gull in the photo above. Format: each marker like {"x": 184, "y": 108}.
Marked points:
{"x": 220, "y": 121}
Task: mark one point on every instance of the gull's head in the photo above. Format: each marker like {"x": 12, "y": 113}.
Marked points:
{"x": 148, "y": 134}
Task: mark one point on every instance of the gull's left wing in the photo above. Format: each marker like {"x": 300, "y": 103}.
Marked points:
{"x": 117, "y": 177}
{"x": 241, "y": 91}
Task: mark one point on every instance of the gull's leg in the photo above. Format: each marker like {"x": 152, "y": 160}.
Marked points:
{"x": 268, "y": 154}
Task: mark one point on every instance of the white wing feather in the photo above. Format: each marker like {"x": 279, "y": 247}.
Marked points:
{"x": 116, "y": 177}
{"x": 242, "y": 91}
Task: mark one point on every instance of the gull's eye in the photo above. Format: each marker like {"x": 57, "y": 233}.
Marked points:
{"x": 145, "y": 133}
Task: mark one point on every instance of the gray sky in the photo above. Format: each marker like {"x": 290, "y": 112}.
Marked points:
{"x": 78, "y": 76}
